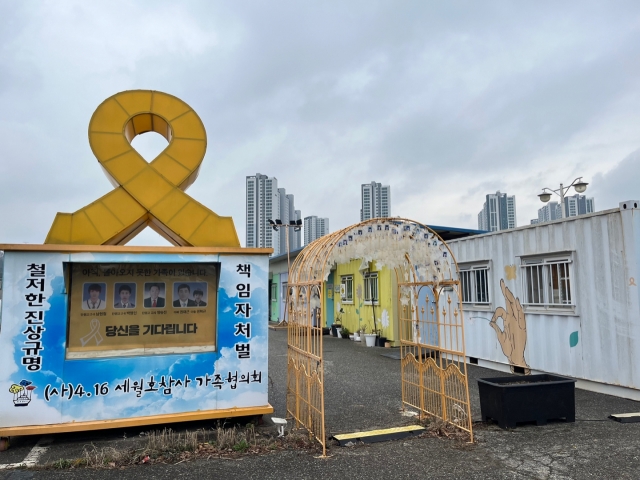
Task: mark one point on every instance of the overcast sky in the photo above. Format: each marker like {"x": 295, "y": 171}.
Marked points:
{"x": 444, "y": 101}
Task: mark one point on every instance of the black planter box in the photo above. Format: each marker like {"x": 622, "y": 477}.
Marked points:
{"x": 530, "y": 398}
{"x": 380, "y": 341}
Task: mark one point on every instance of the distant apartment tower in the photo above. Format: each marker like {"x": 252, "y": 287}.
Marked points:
{"x": 577, "y": 204}
{"x": 296, "y": 235}
{"x": 375, "y": 201}
{"x": 498, "y": 212}
{"x": 287, "y": 214}
{"x": 573, "y": 206}
{"x": 265, "y": 201}
{"x": 551, "y": 211}
{"x": 315, "y": 228}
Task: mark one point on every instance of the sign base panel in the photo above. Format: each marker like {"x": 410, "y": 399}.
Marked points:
{"x": 135, "y": 421}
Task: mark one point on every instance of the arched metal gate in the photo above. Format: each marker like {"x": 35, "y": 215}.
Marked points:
{"x": 433, "y": 362}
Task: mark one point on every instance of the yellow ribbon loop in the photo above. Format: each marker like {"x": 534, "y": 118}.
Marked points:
{"x": 146, "y": 194}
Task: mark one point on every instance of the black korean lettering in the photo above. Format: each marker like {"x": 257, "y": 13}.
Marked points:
{"x": 34, "y": 300}
{"x": 244, "y": 290}
{"x": 36, "y": 270}
{"x": 33, "y": 364}
{"x": 243, "y": 350}
{"x": 36, "y": 283}
{"x": 243, "y": 309}
{"x": 244, "y": 269}
{"x": 34, "y": 317}
{"x": 192, "y": 327}
{"x": 243, "y": 329}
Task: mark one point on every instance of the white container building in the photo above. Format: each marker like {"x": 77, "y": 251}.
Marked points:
{"x": 577, "y": 299}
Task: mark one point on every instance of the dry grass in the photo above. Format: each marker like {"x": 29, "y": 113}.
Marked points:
{"x": 436, "y": 427}
{"x": 168, "y": 446}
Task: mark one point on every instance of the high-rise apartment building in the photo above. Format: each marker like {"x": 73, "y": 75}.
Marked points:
{"x": 498, "y": 212}
{"x": 287, "y": 214}
{"x": 573, "y": 206}
{"x": 577, "y": 204}
{"x": 296, "y": 235}
{"x": 375, "y": 200}
{"x": 265, "y": 201}
{"x": 315, "y": 228}
{"x": 551, "y": 211}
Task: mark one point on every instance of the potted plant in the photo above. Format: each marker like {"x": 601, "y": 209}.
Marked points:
{"x": 529, "y": 398}
{"x": 344, "y": 331}
{"x": 369, "y": 338}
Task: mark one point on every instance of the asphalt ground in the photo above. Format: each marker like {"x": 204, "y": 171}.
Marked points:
{"x": 362, "y": 392}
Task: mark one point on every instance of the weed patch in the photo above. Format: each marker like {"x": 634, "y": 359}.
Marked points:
{"x": 169, "y": 446}
{"x": 436, "y": 427}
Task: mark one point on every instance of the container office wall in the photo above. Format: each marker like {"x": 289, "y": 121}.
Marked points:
{"x": 587, "y": 322}
{"x": 359, "y": 313}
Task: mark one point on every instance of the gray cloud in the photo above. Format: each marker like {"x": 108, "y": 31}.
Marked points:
{"x": 618, "y": 184}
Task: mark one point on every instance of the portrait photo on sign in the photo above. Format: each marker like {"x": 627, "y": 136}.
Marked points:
{"x": 190, "y": 294}
{"x": 94, "y": 296}
{"x": 124, "y": 295}
{"x": 155, "y": 294}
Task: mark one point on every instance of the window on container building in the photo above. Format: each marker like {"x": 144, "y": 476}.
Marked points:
{"x": 371, "y": 288}
{"x": 547, "y": 282}
{"x": 474, "y": 284}
{"x": 346, "y": 288}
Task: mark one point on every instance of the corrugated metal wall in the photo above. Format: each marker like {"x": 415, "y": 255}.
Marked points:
{"x": 606, "y": 317}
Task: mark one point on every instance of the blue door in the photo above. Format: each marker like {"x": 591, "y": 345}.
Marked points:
{"x": 329, "y": 306}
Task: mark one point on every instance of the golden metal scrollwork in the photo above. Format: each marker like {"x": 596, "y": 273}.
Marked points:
{"x": 433, "y": 366}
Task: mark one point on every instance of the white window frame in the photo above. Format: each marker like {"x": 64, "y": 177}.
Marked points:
{"x": 274, "y": 291}
{"x": 346, "y": 292}
{"x": 473, "y": 276}
{"x": 368, "y": 278}
{"x": 538, "y": 274}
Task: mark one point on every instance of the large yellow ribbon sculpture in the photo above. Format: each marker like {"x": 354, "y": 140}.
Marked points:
{"x": 146, "y": 194}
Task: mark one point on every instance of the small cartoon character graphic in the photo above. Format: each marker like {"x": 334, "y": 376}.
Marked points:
{"x": 22, "y": 393}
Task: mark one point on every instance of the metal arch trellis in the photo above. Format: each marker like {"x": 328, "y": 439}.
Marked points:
{"x": 433, "y": 360}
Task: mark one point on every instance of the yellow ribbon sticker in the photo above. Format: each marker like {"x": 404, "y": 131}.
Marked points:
{"x": 93, "y": 334}
{"x": 146, "y": 194}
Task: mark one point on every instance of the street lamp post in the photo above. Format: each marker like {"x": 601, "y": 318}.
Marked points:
{"x": 277, "y": 225}
{"x": 578, "y": 184}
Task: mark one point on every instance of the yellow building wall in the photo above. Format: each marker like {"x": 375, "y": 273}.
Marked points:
{"x": 358, "y": 315}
